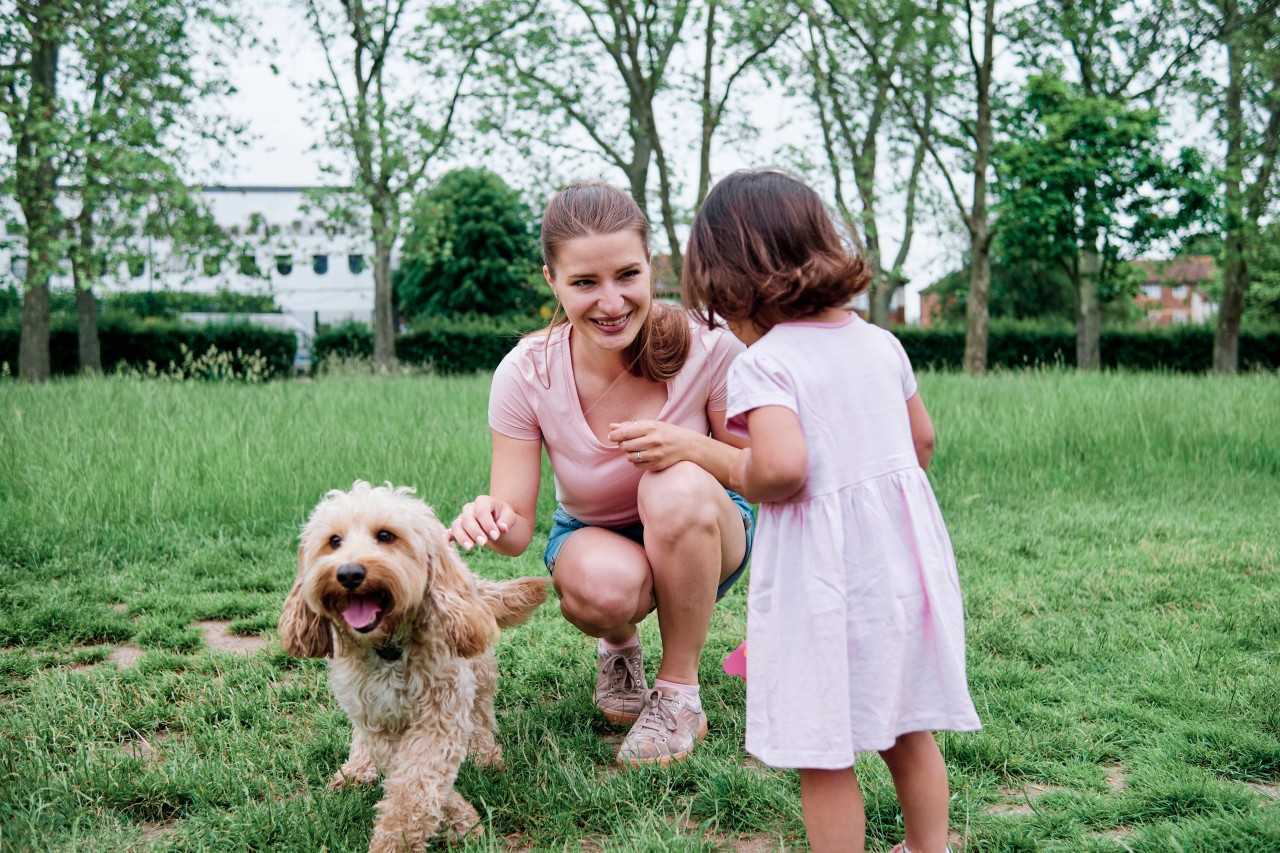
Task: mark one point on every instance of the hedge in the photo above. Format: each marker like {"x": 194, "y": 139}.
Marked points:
{"x": 1181, "y": 349}
{"x": 134, "y": 343}
{"x": 448, "y": 346}
{"x": 463, "y": 346}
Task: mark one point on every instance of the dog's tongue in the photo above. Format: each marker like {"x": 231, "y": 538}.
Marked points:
{"x": 361, "y": 611}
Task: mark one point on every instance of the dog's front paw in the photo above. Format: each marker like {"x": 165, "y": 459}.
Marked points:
{"x": 461, "y": 820}
{"x": 358, "y": 774}
{"x": 488, "y": 755}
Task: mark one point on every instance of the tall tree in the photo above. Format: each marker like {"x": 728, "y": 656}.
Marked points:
{"x": 1085, "y": 186}
{"x": 737, "y": 36}
{"x": 1249, "y": 104}
{"x": 134, "y": 107}
{"x": 965, "y": 100}
{"x": 858, "y": 114}
{"x": 586, "y": 77}
{"x": 33, "y": 35}
{"x": 390, "y": 133}
{"x": 1123, "y": 51}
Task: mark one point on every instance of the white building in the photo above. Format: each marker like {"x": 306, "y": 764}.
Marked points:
{"x": 316, "y": 272}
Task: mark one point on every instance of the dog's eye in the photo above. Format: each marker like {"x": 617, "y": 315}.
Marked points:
{"x": 386, "y": 537}
{"x": 335, "y": 541}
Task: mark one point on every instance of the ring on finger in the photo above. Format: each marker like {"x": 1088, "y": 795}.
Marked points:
{"x": 639, "y": 458}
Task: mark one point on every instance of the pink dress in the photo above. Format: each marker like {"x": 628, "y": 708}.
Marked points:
{"x": 855, "y": 626}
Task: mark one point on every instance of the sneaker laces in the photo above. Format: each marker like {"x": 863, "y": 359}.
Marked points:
{"x": 662, "y": 716}
{"x": 621, "y": 679}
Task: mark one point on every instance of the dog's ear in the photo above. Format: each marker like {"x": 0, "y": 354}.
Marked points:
{"x": 303, "y": 632}
{"x": 467, "y": 624}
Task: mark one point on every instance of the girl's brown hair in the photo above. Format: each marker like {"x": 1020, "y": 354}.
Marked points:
{"x": 662, "y": 344}
{"x": 764, "y": 249}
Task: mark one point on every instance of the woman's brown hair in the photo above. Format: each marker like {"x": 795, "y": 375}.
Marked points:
{"x": 764, "y": 249}
{"x": 662, "y": 344}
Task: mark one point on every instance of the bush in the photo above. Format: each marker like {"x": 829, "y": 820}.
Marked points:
{"x": 1181, "y": 349}
{"x": 151, "y": 346}
{"x": 459, "y": 345}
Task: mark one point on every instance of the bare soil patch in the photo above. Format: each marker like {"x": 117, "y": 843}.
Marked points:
{"x": 1115, "y": 779}
{"x": 218, "y": 638}
{"x": 1018, "y": 800}
{"x": 125, "y": 657}
{"x": 1271, "y": 792}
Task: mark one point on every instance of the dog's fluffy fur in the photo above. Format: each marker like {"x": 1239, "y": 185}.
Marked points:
{"x": 411, "y": 634}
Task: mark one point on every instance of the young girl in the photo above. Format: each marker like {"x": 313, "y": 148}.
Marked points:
{"x": 855, "y": 626}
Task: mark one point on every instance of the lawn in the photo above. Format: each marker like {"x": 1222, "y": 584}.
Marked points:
{"x": 1119, "y": 551}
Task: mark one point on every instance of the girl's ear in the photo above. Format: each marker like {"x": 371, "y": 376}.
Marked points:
{"x": 467, "y": 624}
{"x": 303, "y": 632}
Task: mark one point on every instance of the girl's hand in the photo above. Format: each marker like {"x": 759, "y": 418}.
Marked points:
{"x": 482, "y": 521}
{"x": 651, "y": 445}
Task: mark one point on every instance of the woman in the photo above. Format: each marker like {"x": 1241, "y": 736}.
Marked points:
{"x": 627, "y": 395}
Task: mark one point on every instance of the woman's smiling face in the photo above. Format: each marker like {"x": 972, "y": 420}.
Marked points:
{"x": 604, "y": 283}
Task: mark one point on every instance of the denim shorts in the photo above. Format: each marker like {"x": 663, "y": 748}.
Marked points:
{"x": 562, "y": 524}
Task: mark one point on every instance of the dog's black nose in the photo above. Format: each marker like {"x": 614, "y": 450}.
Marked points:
{"x": 351, "y": 575}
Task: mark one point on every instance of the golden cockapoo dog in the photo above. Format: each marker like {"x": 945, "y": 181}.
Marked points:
{"x": 411, "y": 634}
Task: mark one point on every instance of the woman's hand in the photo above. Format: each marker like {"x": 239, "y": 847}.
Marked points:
{"x": 653, "y": 445}
{"x": 482, "y": 521}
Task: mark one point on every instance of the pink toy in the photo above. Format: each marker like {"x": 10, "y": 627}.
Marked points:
{"x": 736, "y": 662}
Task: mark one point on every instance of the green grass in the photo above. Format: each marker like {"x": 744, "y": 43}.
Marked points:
{"x": 1119, "y": 552}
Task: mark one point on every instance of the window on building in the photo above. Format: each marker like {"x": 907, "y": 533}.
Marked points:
{"x": 1151, "y": 291}
{"x": 320, "y": 263}
{"x": 1181, "y": 317}
{"x": 18, "y": 266}
{"x": 355, "y": 263}
{"x": 137, "y": 265}
{"x": 211, "y": 264}
{"x": 1180, "y": 292}
{"x": 284, "y": 264}
{"x": 248, "y": 265}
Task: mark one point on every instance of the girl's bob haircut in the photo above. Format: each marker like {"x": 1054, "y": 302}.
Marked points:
{"x": 763, "y": 249}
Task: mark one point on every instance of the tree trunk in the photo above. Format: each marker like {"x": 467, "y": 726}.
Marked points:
{"x": 1088, "y": 319}
{"x": 384, "y": 326}
{"x": 33, "y": 347}
{"x": 1226, "y": 339}
{"x": 977, "y": 312}
{"x": 87, "y": 326}
{"x": 708, "y": 109}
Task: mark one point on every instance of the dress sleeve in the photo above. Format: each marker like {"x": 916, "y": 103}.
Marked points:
{"x": 511, "y": 409}
{"x": 724, "y": 350}
{"x": 756, "y": 381}
{"x": 908, "y": 376}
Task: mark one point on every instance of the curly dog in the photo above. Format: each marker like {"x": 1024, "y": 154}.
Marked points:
{"x": 411, "y": 634}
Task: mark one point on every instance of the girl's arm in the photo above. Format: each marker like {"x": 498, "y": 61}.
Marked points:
{"x": 922, "y": 435}
{"x": 777, "y": 463}
{"x": 504, "y": 518}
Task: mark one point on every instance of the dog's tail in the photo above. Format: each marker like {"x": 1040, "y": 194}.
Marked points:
{"x": 513, "y": 601}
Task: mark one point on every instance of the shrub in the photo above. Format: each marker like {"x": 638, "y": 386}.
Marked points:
{"x": 159, "y": 346}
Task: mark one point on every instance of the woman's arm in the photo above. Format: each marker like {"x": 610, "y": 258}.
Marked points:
{"x": 777, "y": 463}
{"x": 504, "y": 519}
{"x": 922, "y": 435}
{"x": 654, "y": 445}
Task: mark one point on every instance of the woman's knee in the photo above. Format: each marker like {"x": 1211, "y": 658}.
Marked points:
{"x": 679, "y": 499}
{"x": 597, "y": 602}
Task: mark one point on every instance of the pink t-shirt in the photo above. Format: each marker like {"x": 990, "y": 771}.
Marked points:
{"x": 594, "y": 481}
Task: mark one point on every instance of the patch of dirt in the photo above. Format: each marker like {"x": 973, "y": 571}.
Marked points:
{"x": 148, "y": 749}
{"x": 119, "y": 607}
{"x": 1018, "y": 800}
{"x": 1271, "y": 792}
{"x": 156, "y": 831}
{"x": 125, "y": 657}
{"x": 1115, "y": 779}
{"x": 217, "y": 638}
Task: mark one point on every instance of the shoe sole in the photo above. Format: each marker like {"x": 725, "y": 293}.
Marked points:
{"x": 619, "y": 718}
{"x": 664, "y": 760}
